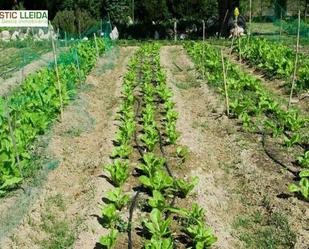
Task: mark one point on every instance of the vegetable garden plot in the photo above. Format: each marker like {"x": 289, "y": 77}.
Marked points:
{"x": 144, "y": 159}
{"x": 30, "y": 109}
{"x": 258, "y": 112}
{"x": 276, "y": 60}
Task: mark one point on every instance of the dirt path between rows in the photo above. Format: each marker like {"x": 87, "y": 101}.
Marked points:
{"x": 243, "y": 192}
{"x": 66, "y": 213}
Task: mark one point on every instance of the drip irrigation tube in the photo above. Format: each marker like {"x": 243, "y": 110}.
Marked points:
{"x": 137, "y": 193}
{"x": 295, "y": 173}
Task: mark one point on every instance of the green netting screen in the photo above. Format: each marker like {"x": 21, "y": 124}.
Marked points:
{"x": 277, "y": 20}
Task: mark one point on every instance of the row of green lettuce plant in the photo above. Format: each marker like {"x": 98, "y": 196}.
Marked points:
{"x": 275, "y": 59}
{"x": 160, "y": 182}
{"x": 119, "y": 168}
{"x": 156, "y": 127}
{"x": 31, "y": 108}
{"x": 255, "y": 106}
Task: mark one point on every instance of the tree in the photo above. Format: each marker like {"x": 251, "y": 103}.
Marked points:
{"x": 152, "y": 10}
{"x": 118, "y": 10}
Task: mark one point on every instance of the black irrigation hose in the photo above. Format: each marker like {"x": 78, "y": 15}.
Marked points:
{"x": 167, "y": 169}
{"x": 135, "y": 198}
{"x": 141, "y": 152}
{"x": 131, "y": 211}
{"x": 163, "y": 153}
{"x": 295, "y": 173}
{"x": 8, "y": 71}
{"x": 304, "y": 146}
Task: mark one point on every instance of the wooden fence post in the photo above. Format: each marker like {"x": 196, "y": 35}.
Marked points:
{"x": 56, "y": 70}
{"x": 225, "y": 85}
{"x": 96, "y": 45}
{"x": 175, "y": 31}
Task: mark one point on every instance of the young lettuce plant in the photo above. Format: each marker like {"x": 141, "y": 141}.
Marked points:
{"x": 303, "y": 186}
{"x": 171, "y": 116}
{"x": 157, "y": 200}
{"x": 190, "y": 217}
{"x": 160, "y": 180}
{"x": 150, "y": 138}
{"x": 157, "y": 226}
{"x": 168, "y": 105}
{"x": 109, "y": 240}
{"x": 201, "y": 236}
{"x": 122, "y": 151}
{"x": 155, "y": 243}
{"x": 172, "y": 134}
{"x": 119, "y": 172}
{"x": 125, "y": 131}
{"x": 151, "y": 164}
{"x": 182, "y": 152}
{"x": 289, "y": 142}
{"x": 109, "y": 215}
{"x": 183, "y": 188}
{"x": 117, "y": 198}
{"x": 304, "y": 160}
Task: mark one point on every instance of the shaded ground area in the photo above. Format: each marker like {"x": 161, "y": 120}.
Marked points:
{"x": 65, "y": 213}
{"x": 243, "y": 191}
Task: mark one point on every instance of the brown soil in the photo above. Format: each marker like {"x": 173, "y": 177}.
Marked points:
{"x": 73, "y": 191}
{"x": 235, "y": 174}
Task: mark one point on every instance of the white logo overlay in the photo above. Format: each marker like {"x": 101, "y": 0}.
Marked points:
{"x": 23, "y": 18}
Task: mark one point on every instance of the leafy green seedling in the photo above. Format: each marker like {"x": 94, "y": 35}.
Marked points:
{"x": 157, "y": 200}
{"x": 183, "y": 187}
{"x": 182, "y": 152}
{"x": 109, "y": 214}
{"x": 201, "y": 236}
{"x": 109, "y": 240}
{"x": 151, "y": 164}
{"x": 119, "y": 171}
{"x": 157, "y": 225}
{"x": 304, "y": 160}
{"x": 122, "y": 151}
{"x": 303, "y": 186}
{"x": 160, "y": 180}
{"x": 156, "y": 243}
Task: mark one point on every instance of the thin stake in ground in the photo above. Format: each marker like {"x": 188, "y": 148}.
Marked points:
{"x": 203, "y": 54}
{"x": 96, "y": 44}
{"x": 296, "y": 62}
{"x": 225, "y": 85}
{"x": 56, "y": 70}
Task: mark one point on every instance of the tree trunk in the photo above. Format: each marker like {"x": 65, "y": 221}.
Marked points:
{"x": 226, "y": 9}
